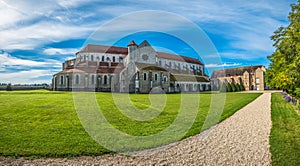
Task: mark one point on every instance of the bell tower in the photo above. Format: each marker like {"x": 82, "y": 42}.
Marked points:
{"x": 132, "y": 51}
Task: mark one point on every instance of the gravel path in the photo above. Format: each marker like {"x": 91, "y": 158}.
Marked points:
{"x": 242, "y": 139}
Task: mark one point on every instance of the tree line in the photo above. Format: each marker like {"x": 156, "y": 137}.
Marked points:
{"x": 284, "y": 68}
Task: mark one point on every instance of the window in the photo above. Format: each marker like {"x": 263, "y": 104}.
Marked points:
{"x": 77, "y": 79}
{"x": 114, "y": 59}
{"x": 145, "y": 76}
{"x": 92, "y": 57}
{"x": 257, "y": 80}
{"x": 93, "y": 79}
{"x": 61, "y": 80}
{"x": 159, "y": 63}
{"x": 165, "y": 78}
{"x": 102, "y": 59}
{"x": 84, "y": 59}
{"x": 155, "y": 77}
{"x": 105, "y": 80}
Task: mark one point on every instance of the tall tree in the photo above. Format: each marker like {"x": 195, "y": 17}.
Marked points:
{"x": 284, "y": 69}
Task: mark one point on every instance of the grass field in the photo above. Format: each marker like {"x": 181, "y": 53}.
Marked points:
{"x": 285, "y": 132}
{"x": 45, "y": 124}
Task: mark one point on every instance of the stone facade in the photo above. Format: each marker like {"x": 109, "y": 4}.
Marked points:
{"x": 135, "y": 69}
{"x": 252, "y": 77}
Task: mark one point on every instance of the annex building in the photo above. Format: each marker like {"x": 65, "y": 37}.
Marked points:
{"x": 134, "y": 69}
{"x": 252, "y": 77}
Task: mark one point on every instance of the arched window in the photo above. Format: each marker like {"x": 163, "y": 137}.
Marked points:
{"x": 114, "y": 59}
{"x": 93, "y": 79}
{"x": 92, "y": 57}
{"x": 145, "y": 76}
{"x": 77, "y": 79}
{"x": 102, "y": 59}
{"x": 155, "y": 77}
{"x": 61, "y": 80}
{"x": 105, "y": 80}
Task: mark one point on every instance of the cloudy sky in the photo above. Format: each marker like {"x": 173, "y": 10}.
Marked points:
{"x": 37, "y": 36}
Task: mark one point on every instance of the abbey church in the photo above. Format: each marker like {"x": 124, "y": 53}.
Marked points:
{"x": 134, "y": 69}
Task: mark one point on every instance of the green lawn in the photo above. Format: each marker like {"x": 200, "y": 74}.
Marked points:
{"x": 45, "y": 124}
{"x": 285, "y": 133}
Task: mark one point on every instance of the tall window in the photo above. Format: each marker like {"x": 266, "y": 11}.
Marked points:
{"x": 102, "y": 59}
{"x": 93, "y": 79}
{"x": 105, "y": 80}
{"x": 77, "y": 79}
{"x": 145, "y": 76}
{"x": 114, "y": 59}
{"x": 84, "y": 59}
{"x": 92, "y": 57}
{"x": 61, "y": 80}
{"x": 155, "y": 77}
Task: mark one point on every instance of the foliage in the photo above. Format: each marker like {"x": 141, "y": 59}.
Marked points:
{"x": 242, "y": 87}
{"x": 284, "y": 136}
{"x": 284, "y": 69}
{"x": 238, "y": 88}
{"x": 8, "y": 87}
{"x": 223, "y": 87}
{"x": 233, "y": 88}
{"x": 44, "y": 123}
{"x": 228, "y": 87}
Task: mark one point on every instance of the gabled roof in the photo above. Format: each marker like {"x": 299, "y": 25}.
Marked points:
{"x": 188, "y": 78}
{"x": 178, "y": 58}
{"x": 104, "y": 49}
{"x": 146, "y": 66}
{"x": 123, "y": 50}
{"x": 234, "y": 71}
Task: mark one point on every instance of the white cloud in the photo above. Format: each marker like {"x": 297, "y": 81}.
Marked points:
{"x": 222, "y": 65}
{"x": 26, "y": 77}
{"x": 56, "y": 51}
{"x": 7, "y": 60}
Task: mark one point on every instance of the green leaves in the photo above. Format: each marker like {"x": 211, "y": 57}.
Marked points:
{"x": 284, "y": 69}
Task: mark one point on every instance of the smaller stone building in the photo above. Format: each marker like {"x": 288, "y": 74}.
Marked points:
{"x": 252, "y": 77}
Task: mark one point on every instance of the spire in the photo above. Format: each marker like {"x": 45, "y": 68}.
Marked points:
{"x": 132, "y": 43}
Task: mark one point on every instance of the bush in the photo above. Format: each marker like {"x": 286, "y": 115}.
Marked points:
{"x": 233, "y": 87}
{"x": 242, "y": 87}
{"x": 8, "y": 87}
{"x": 238, "y": 88}
{"x": 287, "y": 98}
{"x": 222, "y": 87}
{"x": 228, "y": 87}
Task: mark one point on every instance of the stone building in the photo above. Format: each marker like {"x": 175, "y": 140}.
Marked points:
{"x": 134, "y": 69}
{"x": 252, "y": 77}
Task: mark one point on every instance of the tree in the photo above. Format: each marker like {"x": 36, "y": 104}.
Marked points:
{"x": 284, "y": 69}
{"x": 8, "y": 87}
{"x": 233, "y": 88}
{"x": 228, "y": 87}
{"x": 238, "y": 88}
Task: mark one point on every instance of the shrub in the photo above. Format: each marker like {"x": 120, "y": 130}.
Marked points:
{"x": 233, "y": 88}
{"x": 228, "y": 87}
{"x": 238, "y": 87}
{"x": 8, "y": 87}
{"x": 287, "y": 98}
{"x": 223, "y": 87}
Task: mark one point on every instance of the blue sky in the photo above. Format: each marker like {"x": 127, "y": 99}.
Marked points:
{"x": 37, "y": 36}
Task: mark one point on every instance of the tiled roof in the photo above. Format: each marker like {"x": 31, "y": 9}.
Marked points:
{"x": 234, "y": 71}
{"x": 103, "y": 68}
{"x": 178, "y": 58}
{"x": 146, "y": 66}
{"x": 188, "y": 78}
{"x": 104, "y": 49}
{"x": 123, "y": 50}
{"x": 132, "y": 43}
